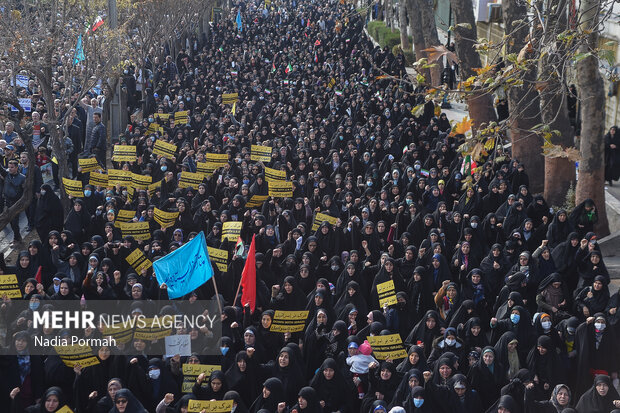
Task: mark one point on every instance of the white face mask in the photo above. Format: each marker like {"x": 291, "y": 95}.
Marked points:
{"x": 546, "y": 325}
{"x": 450, "y": 341}
{"x": 599, "y": 326}
{"x": 154, "y": 374}
{"x": 474, "y": 225}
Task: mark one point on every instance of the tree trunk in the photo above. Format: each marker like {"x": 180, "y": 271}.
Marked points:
{"x": 559, "y": 172}
{"x": 523, "y": 102}
{"x": 429, "y": 29}
{"x": 591, "y": 182}
{"x": 480, "y": 105}
{"x": 415, "y": 23}
{"x": 402, "y": 21}
{"x": 56, "y": 138}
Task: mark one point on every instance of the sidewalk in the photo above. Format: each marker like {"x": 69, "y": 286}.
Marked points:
{"x": 6, "y": 237}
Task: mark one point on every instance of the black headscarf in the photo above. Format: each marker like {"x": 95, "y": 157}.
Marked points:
{"x": 336, "y": 393}
{"x": 592, "y": 402}
{"x": 133, "y": 404}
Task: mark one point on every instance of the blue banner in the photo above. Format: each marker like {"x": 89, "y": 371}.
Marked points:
{"x": 186, "y": 268}
{"x": 79, "y": 51}
{"x": 239, "y": 25}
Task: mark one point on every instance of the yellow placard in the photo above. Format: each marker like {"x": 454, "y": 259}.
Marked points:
{"x": 231, "y": 230}
{"x": 163, "y": 218}
{"x": 125, "y": 215}
{"x": 208, "y": 406}
{"x": 256, "y": 201}
{"x": 150, "y": 330}
{"x": 124, "y": 153}
{"x": 119, "y": 332}
{"x": 64, "y": 409}
{"x": 229, "y": 98}
{"x": 138, "y": 230}
{"x": 289, "y": 321}
{"x": 119, "y": 177}
{"x": 140, "y": 181}
{"x": 162, "y": 116}
{"x": 274, "y": 175}
{"x": 72, "y": 355}
{"x": 390, "y": 346}
{"x": 219, "y": 258}
{"x": 154, "y": 128}
{"x": 320, "y": 217}
{"x": 207, "y": 168}
{"x": 131, "y": 192}
{"x": 220, "y": 159}
{"x": 165, "y": 149}
{"x": 88, "y": 164}
{"x": 190, "y": 179}
{"x": 138, "y": 261}
{"x": 9, "y": 286}
{"x": 260, "y": 153}
{"x": 73, "y": 187}
{"x": 181, "y": 116}
{"x": 280, "y": 189}
{"x": 191, "y": 373}
{"x": 386, "y": 293}
{"x": 152, "y": 188}
{"x": 98, "y": 179}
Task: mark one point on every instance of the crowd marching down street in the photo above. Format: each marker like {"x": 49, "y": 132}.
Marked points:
{"x": 361, "y": 263}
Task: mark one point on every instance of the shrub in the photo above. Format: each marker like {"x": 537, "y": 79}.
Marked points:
{"x": 386, "y": 37}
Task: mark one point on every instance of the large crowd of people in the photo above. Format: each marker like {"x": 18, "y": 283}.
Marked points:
{"x": 501, "y": 303}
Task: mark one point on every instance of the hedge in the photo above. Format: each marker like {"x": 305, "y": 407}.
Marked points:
{"x": 386, "y": 37}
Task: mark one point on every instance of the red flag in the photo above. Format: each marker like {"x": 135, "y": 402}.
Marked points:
{"x": 248, "y": 278}
{"x": 38, "y": 276}
{"x": 317, "y": 43}
{"x": 308, "y": 24}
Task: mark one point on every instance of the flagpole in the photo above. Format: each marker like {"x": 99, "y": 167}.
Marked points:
{"x": 217, "y": 295}
{"x": 237, "y": 293}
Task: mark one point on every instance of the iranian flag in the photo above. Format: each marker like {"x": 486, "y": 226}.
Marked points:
{"x": 96, "y": 24}
{"x": 468, "y": 166}
{"x": 273, "y": 67}
{"x": 288, "y": 68}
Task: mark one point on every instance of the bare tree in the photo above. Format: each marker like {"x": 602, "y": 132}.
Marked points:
{"x": 559, "y": 171}
{"x": 402, "y": 22}
{"x": 592, "y": 95}
{"x": 41, "y": 43}
{"x": 431, "y": 38}
{"x": 480, "y": 103}
{"x": 523, "y": 99}
{"x": 415, "y": 24}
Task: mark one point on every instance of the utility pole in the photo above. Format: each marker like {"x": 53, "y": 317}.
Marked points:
{"x": 116, "y": 111}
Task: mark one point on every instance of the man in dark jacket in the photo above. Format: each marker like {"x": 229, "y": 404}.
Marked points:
{"x": 38, "y": 181}
{"x": 13, "y": 190}
{"x": 98, "y": 139}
